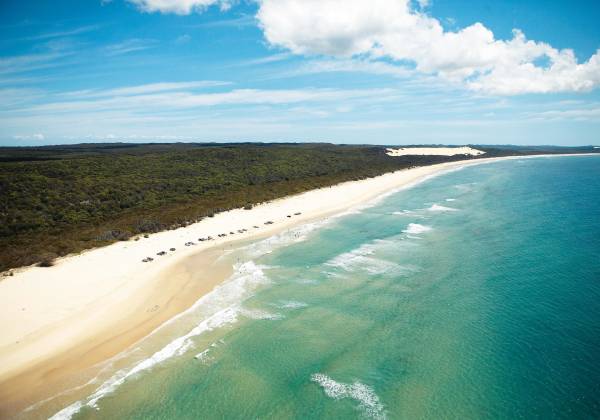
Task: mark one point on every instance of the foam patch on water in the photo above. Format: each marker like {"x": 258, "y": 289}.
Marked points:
{"x": 204, "y": 356}
{"x": 288, "y": 237}
{"x": 438, "y": 208}
{"x": 359, "y": 259}
{"x": 363, "y": 259}
{"x": 291, "y": 304}
{"x": 261, "y": 314}
{"x": 415, "y": 229}
{"x": 467, "y": 187}
{"x": 363, "y": 394}
{"x": 68, "y": 412}
{"x": 307, "y": 281}
{"x": 223, "y": 303}
{"x": 412, "y": 213}
{"x": 450, "y": 199}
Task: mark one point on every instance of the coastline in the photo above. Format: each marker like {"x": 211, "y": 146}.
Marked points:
{"x": 104, "y": 300}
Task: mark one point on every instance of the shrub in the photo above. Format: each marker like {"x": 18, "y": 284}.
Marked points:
{"x": 114, "y": 235}
{"x": 46, "y": 260}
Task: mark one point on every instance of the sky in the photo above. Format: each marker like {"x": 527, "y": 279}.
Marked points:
{"x": 342, "y": 71}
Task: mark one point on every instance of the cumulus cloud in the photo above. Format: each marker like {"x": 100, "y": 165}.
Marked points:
{"x": 392, "y": 29}
{"x": 180, "y": 7}
{"x": 424, "y": 3}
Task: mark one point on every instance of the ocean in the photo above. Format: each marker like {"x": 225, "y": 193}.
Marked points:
{"x": 473, "y": 294}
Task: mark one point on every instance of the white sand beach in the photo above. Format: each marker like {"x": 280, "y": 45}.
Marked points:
{"x": 89, "y": 307}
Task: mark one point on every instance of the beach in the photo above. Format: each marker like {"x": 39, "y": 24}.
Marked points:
{"x": 63, "y": 320}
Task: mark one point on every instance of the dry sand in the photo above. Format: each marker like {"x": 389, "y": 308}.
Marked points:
{"x": 434, "y": 151}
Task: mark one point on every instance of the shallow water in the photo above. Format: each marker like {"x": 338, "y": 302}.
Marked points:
{"x": 475, "y": 294}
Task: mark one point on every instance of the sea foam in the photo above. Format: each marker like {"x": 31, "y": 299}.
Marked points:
{"x": 287, "y": 237}
{"x": 438, "y": 208}
{"x": 291, "y": 304}
{"x": 402, "y": 212}
{"x": 260, "y": 314}
{"x": 204, "y": 356}
{"x": 415, "y": 229}
{"x": 362, "y": 259}
{"x": 363, "y": 394}
{"x": 370, "y": 258}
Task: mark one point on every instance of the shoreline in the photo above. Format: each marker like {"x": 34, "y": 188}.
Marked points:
{"x": 61, "y": 321}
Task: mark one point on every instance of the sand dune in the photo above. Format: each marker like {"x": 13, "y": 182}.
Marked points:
{"x": 434, "y": 151}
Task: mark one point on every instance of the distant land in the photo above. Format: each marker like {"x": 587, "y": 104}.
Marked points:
{"x": 57, "y": 200}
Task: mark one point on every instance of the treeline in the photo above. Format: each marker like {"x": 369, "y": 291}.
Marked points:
{"x": 62, "y": 199}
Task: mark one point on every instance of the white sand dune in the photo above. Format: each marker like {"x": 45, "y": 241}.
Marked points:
{"x": 434, "y": 151}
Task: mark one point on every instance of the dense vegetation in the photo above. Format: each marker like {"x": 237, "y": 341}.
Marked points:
{"x": 61, "y": 199}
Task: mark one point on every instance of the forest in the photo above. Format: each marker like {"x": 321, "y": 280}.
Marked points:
{"x": 57, "y": 200}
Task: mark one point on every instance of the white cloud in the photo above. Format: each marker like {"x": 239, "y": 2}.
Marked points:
{"x": 423, "y": 4}
{"x": 38, "y": 137}
{"x": 239, "y": 22}
{"x": 391, "y": 29}
{"x": 180, "y": 7}
{"x": 355, "y": 66}
{"x": 589, "y": 114}
{"x": 266, "y": 60}
{"x": 25, "y": 63}
{"x": 129, "y": 45}
{"x": 60, "y": 34}
{"x": 148, "y": 88}
{"x": 164, "y": 97}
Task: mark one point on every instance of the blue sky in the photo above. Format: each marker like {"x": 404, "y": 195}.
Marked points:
{"x": 343, "y": 71}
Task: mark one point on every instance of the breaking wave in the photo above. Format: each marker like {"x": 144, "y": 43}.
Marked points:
{"x": 415, "y": 229}
{"x": 438, "y": 208}
{"x": 403, "y": 212}
{"x": 288, "y": 237}
{"x": 260, "y": 314}
{"x": 363, "y": 394}
{"x": 291, "y": 304}
{"x": 204, "y": 356}
{"x": 363, "y": 259}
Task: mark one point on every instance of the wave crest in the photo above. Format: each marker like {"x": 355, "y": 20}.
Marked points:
{"x": 363, "y": 394}
{"x": 291, "y": 304}
{"x": 438, "y": 208}
{"x": 415, "y": 229}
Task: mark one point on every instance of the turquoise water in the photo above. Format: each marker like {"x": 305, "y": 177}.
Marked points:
{"x": 475, "y": 294}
